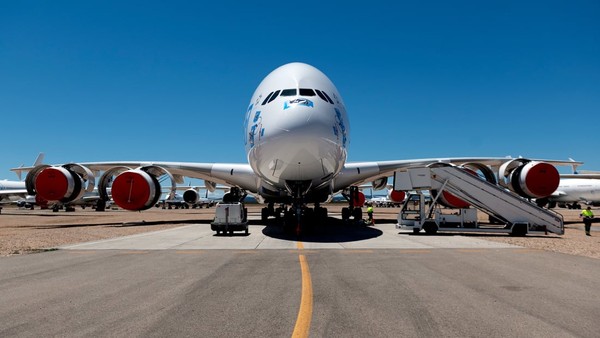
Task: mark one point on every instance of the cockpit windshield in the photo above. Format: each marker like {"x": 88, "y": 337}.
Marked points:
{"x": 293, "y": 92}
{"x": 289, "y": 92}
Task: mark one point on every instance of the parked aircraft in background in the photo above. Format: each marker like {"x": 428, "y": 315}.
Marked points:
{"x": 190, "y": 198}
{"x": 16, "y": 191}
{"x": 297, "y": 135}
{"x": 571, "y": 192}
{"x": 11, "y": 191}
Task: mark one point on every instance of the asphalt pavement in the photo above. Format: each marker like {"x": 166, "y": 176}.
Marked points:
{"x": 353, "y": 281}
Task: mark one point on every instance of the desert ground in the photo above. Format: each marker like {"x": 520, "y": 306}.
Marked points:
{"x": 29, "y": 231}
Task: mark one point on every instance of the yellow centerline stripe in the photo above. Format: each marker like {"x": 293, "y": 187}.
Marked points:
{"x": 306, "y": 302}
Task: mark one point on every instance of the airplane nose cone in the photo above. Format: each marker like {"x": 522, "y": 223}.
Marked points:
{"x": 301, "y": 145}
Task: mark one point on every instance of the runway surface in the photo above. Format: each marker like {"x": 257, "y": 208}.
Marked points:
{"x": 353, "y": 281}
{"x": 196, "y": 237}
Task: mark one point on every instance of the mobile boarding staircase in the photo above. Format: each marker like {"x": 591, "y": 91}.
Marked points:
{"x": 517, "y": 215}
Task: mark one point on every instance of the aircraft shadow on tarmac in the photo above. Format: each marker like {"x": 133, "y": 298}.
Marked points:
{"x": 334, "y": 230}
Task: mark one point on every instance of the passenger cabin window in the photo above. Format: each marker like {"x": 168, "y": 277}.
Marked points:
{"x": 274, "y": 96}
{"x": 307, "y": 92}
{"x": 267, "y": 98}
{"x": 289, "y": 92}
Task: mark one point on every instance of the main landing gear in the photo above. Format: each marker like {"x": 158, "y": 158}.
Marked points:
{"x": 353, "y": 210}
{"x": 295, "y": 218}
{"x": 298, "y": 216}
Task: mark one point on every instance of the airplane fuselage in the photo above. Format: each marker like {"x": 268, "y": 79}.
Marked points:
{"x": 578, "y": 189}
{"x": 11, "y": 185}
{"x": 296, "y": 130}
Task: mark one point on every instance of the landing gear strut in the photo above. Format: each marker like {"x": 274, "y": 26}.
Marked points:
{"x": 352, "y": 210}
{"x": 298, "y": 216}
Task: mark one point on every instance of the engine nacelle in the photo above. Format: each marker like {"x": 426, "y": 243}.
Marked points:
{"x": 396, "y": 196}
{"x": 359, "y": 200}
{"x": 135, "y": 190}
{"x": 380, "y": 183}
{"x": 65, "y": 184}
{"x": 530, "y": 179}
{"x": 42, "y": 203}
{"x": 191, "y": 196}
{"x": 447, "y": 199}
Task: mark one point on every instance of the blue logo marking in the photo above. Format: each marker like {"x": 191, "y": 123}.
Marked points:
{"x": 298, "y": 102}
{"x": 341, "y": 125}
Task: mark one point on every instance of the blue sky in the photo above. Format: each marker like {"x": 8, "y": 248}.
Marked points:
{"x": 170, "y": 81}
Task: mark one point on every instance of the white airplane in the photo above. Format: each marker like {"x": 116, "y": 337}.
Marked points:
{"x": 15, "y": 191}
{"x": 573, "y": 191}
{"x": 190, "y": 198}
{"x": 12, "y": 190}
{"x": 297, "y": 135}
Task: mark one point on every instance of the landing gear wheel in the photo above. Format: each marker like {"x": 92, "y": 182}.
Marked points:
{"x": 264, "y": 214}
{"x": 357, "y": 213}
{"x": 345, "y": 214}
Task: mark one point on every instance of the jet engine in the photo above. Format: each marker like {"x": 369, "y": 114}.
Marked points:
{"x": 360, "y": 200}
{"x": 531, "y": 179}
{"x": 133, "y": 189}
{"x": 42, "y": 203}
{"x": 396, "y": 196}
{"x": 64, "y": 183}
{"x": 447, "y": 199}
{"x": 191, "y": 196}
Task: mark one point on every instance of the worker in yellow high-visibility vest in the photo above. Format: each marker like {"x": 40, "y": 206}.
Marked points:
{"x": 370, "y": 213}
{"x": 588, "y": 216}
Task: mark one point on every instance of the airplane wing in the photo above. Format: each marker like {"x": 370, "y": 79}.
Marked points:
{"x": 355, "y": 173}
{"x": 230, "y": 174}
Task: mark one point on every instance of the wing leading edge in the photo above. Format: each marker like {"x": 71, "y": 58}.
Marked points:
{"x": 355, "y": 173}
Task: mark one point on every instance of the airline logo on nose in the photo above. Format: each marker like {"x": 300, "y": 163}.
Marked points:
{"x": 298, "y": 102}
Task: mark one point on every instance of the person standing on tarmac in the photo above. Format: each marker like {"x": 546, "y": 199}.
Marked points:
{"x": 370, "y": 213}
{"x": 588, "y": 216}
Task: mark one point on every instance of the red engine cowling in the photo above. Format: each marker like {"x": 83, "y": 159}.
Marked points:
{"x": 135, "y": 190}
{"x": 65, "y": 184}
{"x": 42, "y": 203}
{"x": 360, "y": 199}
{"x": 530, "y": 179}
{"x": 396, "y": 196}
{"x": 447, "y": 199}
{"x": 57, "y": 184}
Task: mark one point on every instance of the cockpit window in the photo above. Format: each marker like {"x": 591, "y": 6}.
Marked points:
{"x": 328, "y": 98}
{"x": 321, "y": 95}
{"x": 267, "y": 98}
{"x": 289, "y": 92}
{"x": 274, "y": 96}
{"x": 307, "y": 92}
